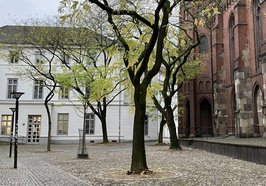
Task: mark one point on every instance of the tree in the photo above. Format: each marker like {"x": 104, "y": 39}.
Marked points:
{"x": 141, "y": 33}
{"x": 57, "y": 46}
{"x": 39, "y": 72}
{"x": 84, "y": 62}
{"x": 94, "y": 74}
{"x": 160, "y": 136}
{"x": 175, "y": 73}
{"x": 181, "y": 64}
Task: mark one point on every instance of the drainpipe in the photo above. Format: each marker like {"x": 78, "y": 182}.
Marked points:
{"x": 119, "y": 115}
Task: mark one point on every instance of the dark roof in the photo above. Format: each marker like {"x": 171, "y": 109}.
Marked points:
{"x": 66, "y": 35}
{"x": 8, "y": 33}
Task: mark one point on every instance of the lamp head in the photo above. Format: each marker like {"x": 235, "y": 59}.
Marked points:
{"x": 17, "y": 94}
{"x": 13, "y": 109}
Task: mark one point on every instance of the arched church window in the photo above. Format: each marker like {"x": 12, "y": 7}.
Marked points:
{"x": 208, "y": 85}
{"x": 203, "y": 45}
{"x": 201, "y": 86}
{"x": 232, "y": 45}
{"x": 258, "y": 32}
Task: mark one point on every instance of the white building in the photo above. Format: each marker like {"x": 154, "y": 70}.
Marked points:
{"x": 66, "y": 118}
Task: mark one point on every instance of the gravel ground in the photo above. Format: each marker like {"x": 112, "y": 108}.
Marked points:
{"x": 108, "y": 164}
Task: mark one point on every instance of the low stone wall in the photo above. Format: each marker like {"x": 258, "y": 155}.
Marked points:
{"x": 252, "y": 153}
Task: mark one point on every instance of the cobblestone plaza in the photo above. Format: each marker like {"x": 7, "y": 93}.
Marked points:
{"x": 108, "y": 164}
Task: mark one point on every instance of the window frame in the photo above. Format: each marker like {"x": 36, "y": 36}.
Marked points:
{"x": 90, "y": 127}
{"x": 203, "y": 46}
{"x": 7, "y": 122}
{"x": 14, "y": 87}
{"x": 39, "y": 57}
{"x": 201, "y": 86}
{"x": 64, "y": 122}
{"x": 232, "y": 45}
{"x": 13, "y": 56}
{"x": 258, "y": 33}
{"x": 63, "y": 92}
{"x": 38, "y": 86}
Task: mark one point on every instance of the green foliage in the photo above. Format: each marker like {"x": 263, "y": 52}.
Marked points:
{"x": 152, "y": 39}
{"x": 101, "y": 88}
{"x": 190, "y": 70}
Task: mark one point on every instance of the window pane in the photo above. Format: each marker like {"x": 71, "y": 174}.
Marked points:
{"x": 203, "y": 46}
{"x": 11, "y": 87}
{"x": 6, "y": 124}
{"x": 90, "y": 123}
{"x": 38, "y": 89}
{"x": 62, "y": 124}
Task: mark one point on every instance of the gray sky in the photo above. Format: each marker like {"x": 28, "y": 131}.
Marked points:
{"x": 14, "y": 11}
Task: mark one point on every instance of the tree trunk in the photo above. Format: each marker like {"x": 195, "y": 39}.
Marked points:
{"x": 104, "y": 130}
{"x": 102, "y": 115}
{"x": 138, "y": 163}
{"x": 174, "y": 144}
{"x": 48, "y": 98}
{"x": 49, "y": 125}
{"x": 162, "y": 123}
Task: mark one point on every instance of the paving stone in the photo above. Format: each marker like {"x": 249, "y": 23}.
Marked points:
{"x": 108, "y": 165}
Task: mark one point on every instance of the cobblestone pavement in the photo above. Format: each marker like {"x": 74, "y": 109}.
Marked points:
{"x": 32, "y": 170}
{"x": 107, "y": 165}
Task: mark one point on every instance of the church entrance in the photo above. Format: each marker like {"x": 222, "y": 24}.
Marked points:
{"x": 205, "y": 128}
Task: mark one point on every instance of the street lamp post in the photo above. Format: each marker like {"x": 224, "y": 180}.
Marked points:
{"x": 12, "y": 129}
{"x": 16, "y": 95}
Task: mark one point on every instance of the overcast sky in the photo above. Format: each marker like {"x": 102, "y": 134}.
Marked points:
{"x": 14, "y": 11}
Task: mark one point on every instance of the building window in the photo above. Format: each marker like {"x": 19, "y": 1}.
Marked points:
{"x": 201, "y": 88}
{"x": 6, "y": 124}
{"x": 38, "y": 89}
{"x": 146, "y": 125}
{"x": 13, "y": 56}
{"x": 12, "y": 85}
{"x": 62, "y": 124}
{"x": 39, "y": 57}
{"x": 63, "y": 93}
{"x": 203, "y": 45}
{"x": 208, "y": 85}
{"x": 258, "y": 33}
{"x": 232, "y": 45}
{"x": 90, "y": 123}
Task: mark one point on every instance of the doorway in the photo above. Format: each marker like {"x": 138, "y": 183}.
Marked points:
{"x": 257, "y": 110}
{"x": 34, "y": 125}
{"x": 206, "y": 128}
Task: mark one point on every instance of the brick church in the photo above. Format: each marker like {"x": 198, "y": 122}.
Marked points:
{"x": 229, "y": 97}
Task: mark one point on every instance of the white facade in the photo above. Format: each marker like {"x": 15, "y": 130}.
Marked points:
{"x": 119, "y": 117}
